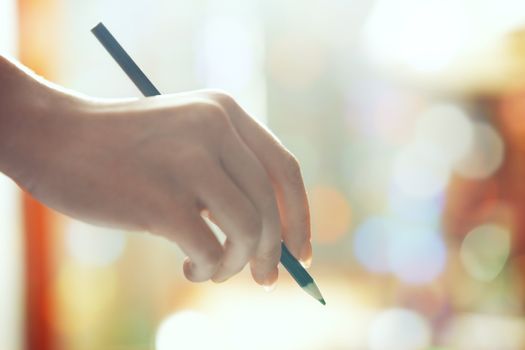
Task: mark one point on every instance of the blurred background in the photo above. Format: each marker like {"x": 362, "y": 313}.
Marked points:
{"x": 405, "y": 116}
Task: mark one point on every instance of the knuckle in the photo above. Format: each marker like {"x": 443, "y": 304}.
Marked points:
{"x": 203, "y": 107}
{"x": 223, "y": 98}
{"x": 166, "y": 219}
{"x": 268, "y": 201}
{"x": 251, "y": 231}
{"x": 292, "y": 169}
{"x": 209, "y": 258}
{"x": 209, "y": 115}
{"x": 302, "y": 220}
{"x": 249, "y": 240}
{"x": 233, "y": 269}
{"x": 270, "y": 255}
{"x": 300, "y": 232}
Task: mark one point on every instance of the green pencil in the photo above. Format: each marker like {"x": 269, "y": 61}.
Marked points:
{"x": 147, "y": 88}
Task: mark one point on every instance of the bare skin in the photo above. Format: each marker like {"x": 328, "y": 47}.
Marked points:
{"x": 156, "y": 164}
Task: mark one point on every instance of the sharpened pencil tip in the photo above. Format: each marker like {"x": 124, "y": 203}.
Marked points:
{"x": 311, "y": 288}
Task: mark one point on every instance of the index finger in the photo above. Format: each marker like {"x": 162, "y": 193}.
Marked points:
{"x": 285, "y": 174}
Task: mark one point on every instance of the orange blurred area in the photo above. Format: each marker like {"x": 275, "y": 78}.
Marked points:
{"x": 407, "y": 119}
{"x": 330, "y": 212}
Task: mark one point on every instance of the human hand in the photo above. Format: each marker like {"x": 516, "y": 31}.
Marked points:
{"x": 156, "y": 164}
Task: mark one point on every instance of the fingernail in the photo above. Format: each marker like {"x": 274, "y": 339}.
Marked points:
{"x": 218, "y": 276}
{"x": 269, "y": 284}
{"x": 271, "y": 280}
{"x": 219, "y": 279}
{"x": 189, "y": 269}
{"x": 269, "y": 287}
{"x": 306, "y": 255}
{"x": 187, "y": 265}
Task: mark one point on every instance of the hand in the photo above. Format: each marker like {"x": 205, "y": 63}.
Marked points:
{"x": 156, "y": 164}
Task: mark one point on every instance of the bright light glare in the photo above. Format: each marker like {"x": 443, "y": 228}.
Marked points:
{"x": 485, "y": 156}
{"x": 92, "y": 245}
{"x": 485, "y": 250}
{"x": 288, "y": 320}
{"x": 188, "y": 330}
{"x": 424, "y": 35}
{"x": 399, "y": 329}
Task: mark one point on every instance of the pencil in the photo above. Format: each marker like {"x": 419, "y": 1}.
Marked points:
{"x": 137, "y": 76}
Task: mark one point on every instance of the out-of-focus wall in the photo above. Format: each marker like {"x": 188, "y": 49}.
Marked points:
{"x": 11, "y": 272}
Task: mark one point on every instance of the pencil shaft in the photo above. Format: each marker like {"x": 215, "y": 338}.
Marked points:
{"x": 294, "y": 267}
{"x": 125, "y": 62}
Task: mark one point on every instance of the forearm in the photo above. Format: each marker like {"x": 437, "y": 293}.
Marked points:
{"x": 10, "y": 80}
{"x": 26, "y": 102}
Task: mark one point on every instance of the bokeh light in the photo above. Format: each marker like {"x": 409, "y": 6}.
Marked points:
{"x": 446, "y": 127}
{"x": 399, "y": 329}
{"x": 485, "y": 250}
{"x": 331, "y": 213}
{"x": 92, "y": 245}
{"x": 443, "y": 137}
{"x": 370, "y": 246}
{"x": 414, "y": 253}
{"x": 187, "y": 330}
{"x": 417, "y": 255}
{"x": 85, "y": 295}
{"x": 485, "y": 156}
{"x": 382, "y": 111}
{"x": 418, "y": 41}
{"x": 420, "y": 211}
{"x": 421, "y": 170}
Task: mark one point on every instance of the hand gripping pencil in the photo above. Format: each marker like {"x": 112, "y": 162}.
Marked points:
{"x": 148, "y": 89}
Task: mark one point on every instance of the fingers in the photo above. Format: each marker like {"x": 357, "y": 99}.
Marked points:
{"x": 251, "y": 177}
{"x": 196, "y": 240}
{"x": 234, "y": 213}
{"x": 285, "y": 174}
{"x": 293, "y": 201}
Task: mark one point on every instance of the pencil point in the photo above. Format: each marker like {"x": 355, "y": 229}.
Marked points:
{"x": 313, "y": 290}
